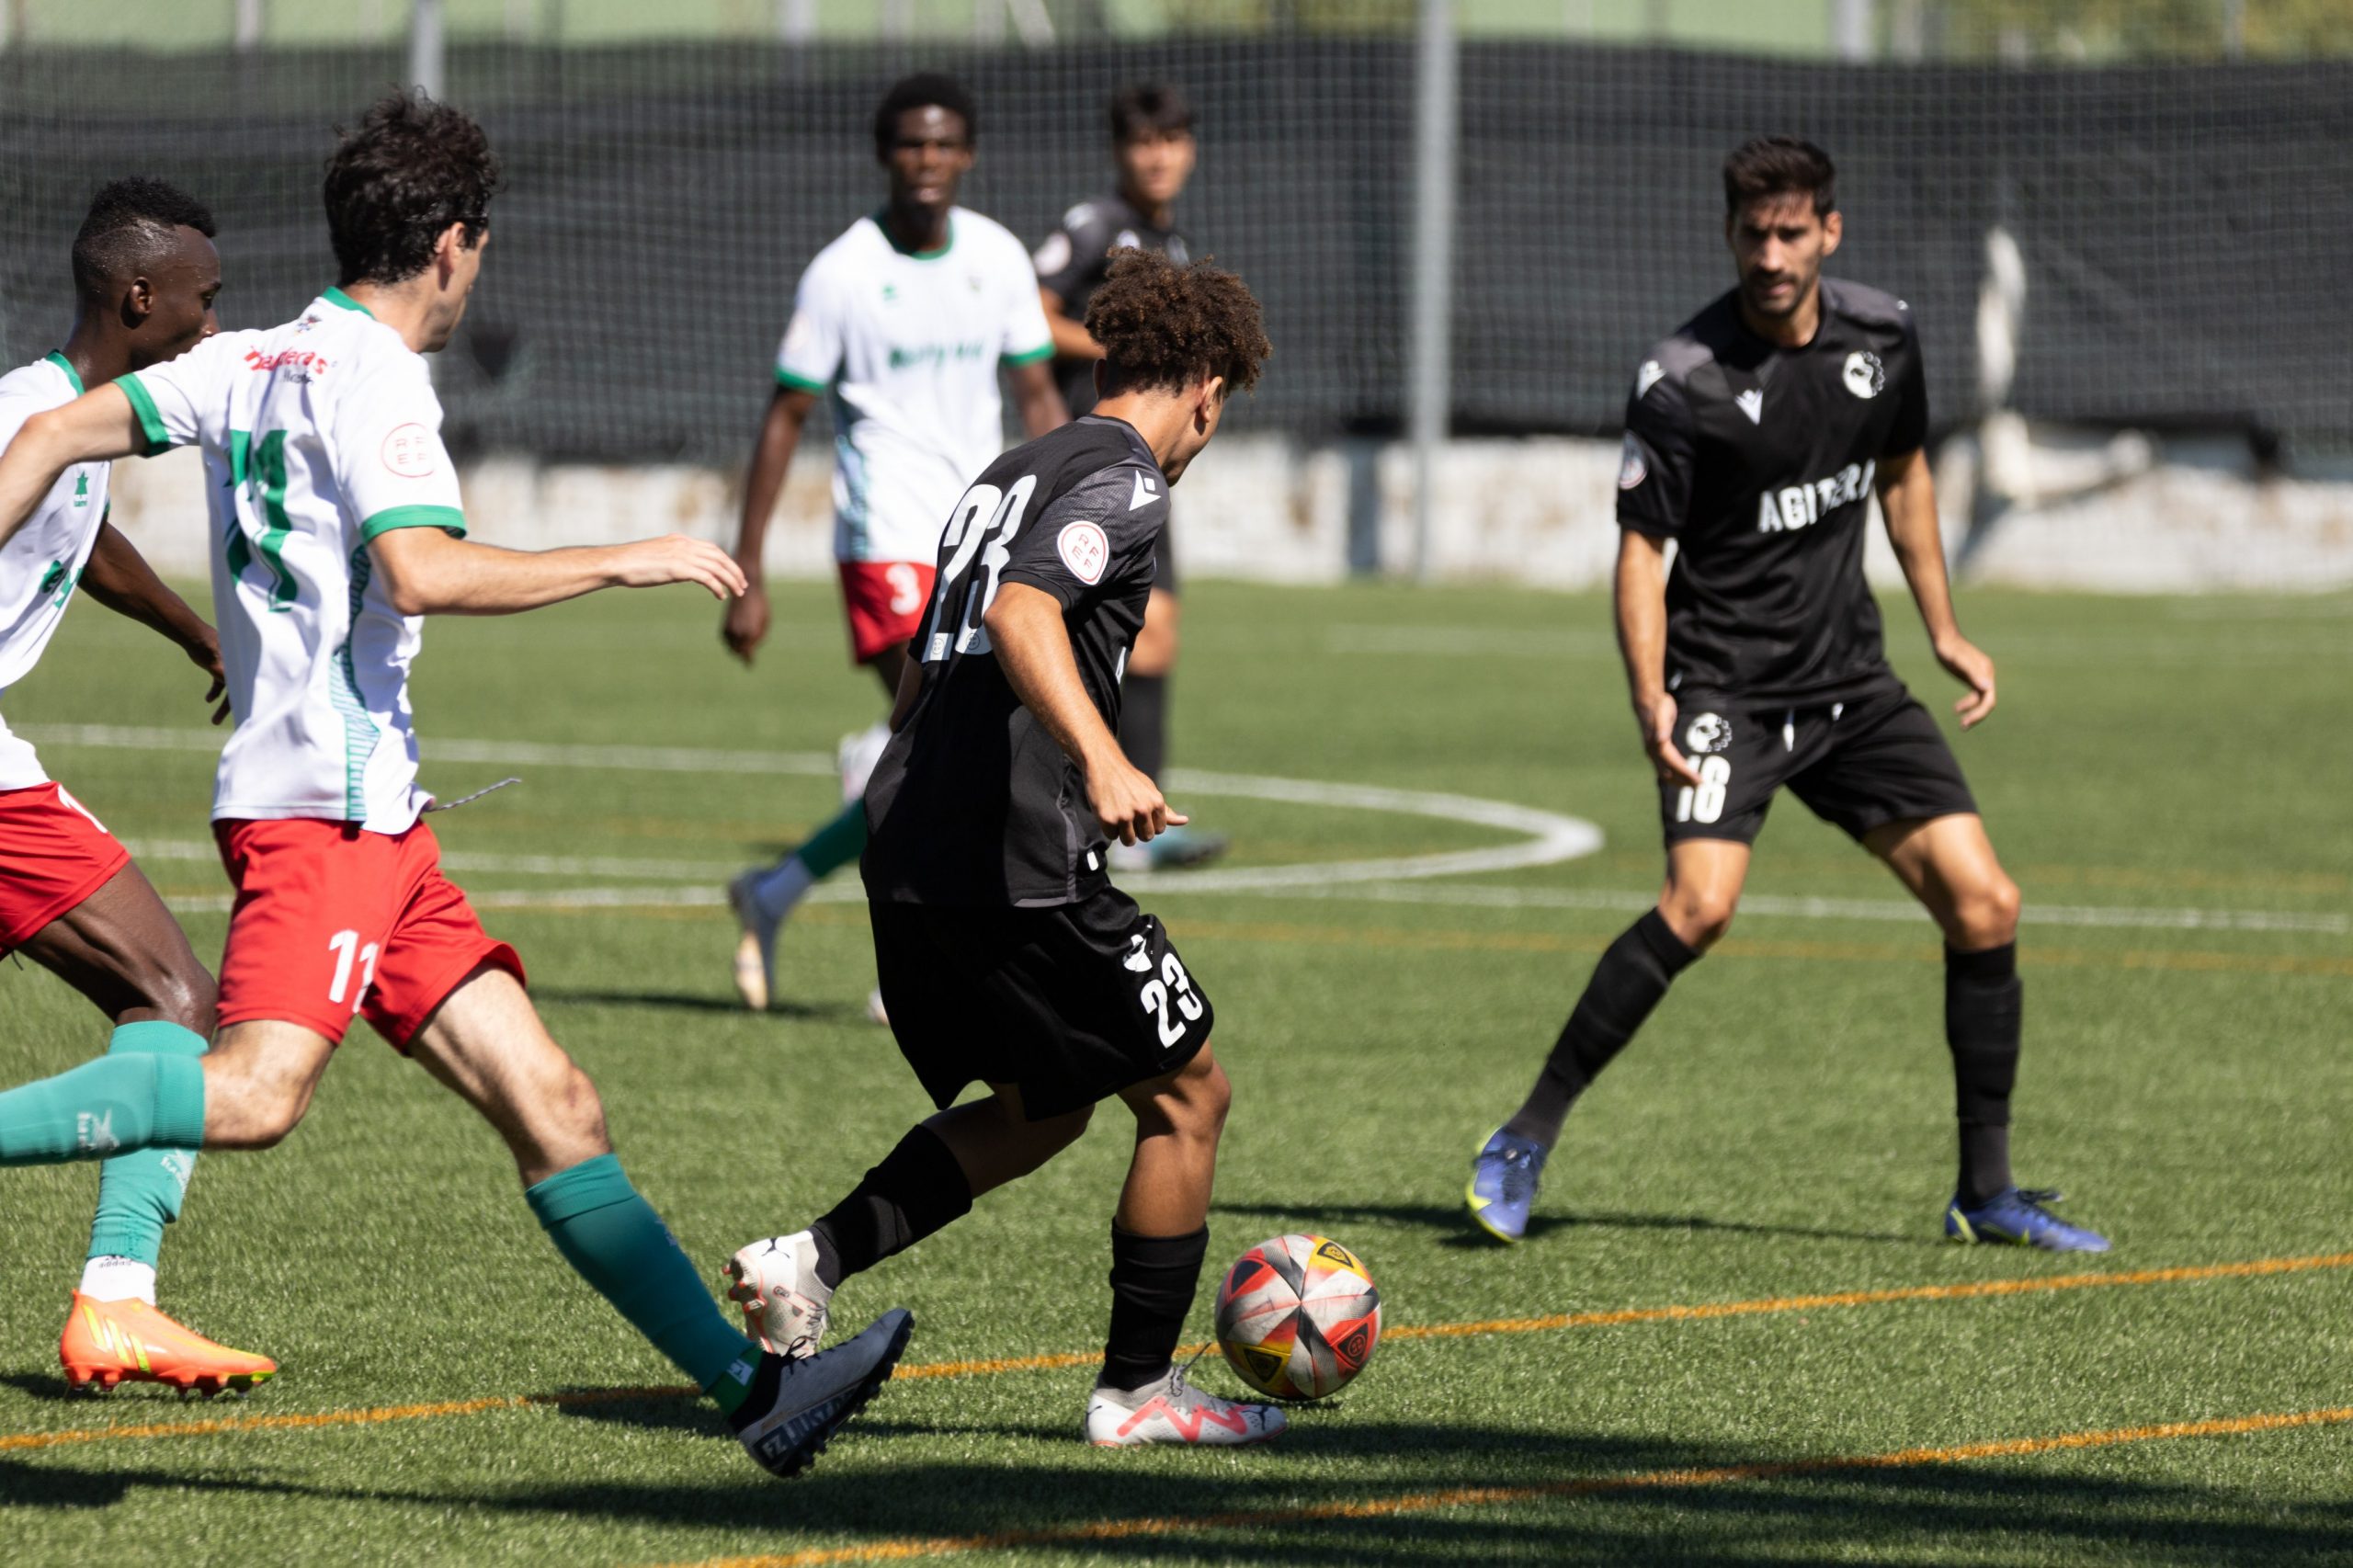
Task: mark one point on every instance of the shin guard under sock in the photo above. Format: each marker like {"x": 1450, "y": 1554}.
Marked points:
{"x": 917, "y": 1188}
{"x": 1634, "y": 973}
{"x": 1983, "y": 1000}
{"x": 1143, "y": 722}
{"x": 1152, "y": 1282}
{"x": 111, "y": 1106}
{"x": 620, "y": 1245}
{"x": 139, "y": 1194}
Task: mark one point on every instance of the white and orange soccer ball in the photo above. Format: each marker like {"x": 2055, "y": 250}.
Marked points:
{"x": 1298, "y": 1317}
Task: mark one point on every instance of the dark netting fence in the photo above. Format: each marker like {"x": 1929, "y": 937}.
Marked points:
{"x": 2183, "y": 227}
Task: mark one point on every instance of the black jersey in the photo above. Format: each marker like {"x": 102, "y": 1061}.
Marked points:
{"x": 1758, "y": 462}
{"x": 973, "y": 802}
{"x": 1074, "y": 260}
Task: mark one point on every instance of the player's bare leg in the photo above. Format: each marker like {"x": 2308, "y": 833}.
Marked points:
{"x": 121, "y": 948}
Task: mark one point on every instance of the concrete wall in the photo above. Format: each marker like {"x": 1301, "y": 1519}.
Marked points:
{"x": 2108, "y": 514}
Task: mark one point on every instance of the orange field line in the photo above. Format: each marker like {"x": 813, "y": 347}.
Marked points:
{"x": 377, "y": 1414}
{"x": 1502, "y": 1496}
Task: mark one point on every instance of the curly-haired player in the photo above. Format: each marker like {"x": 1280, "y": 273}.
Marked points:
{"x": 339, "y": 512}
{"x": 1005, "y": 955}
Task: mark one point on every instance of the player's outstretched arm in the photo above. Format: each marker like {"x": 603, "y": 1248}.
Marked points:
{"x": 746, "y": 622}
{"x": 1640, "y": 598}
{"x": 427, "y": 572}
{"x": 95, "y": 427}
{"x": 1039, "y": 400}
{"x": 119, "y": 577}
{"x": 1032, "y": 646}
{"x": 1907, "y": 496}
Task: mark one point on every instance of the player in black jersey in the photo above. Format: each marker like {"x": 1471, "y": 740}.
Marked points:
{"x": 1005, "y": 955}
{"x": 1152, "y": 139}
{"x": 1755, "y": 438}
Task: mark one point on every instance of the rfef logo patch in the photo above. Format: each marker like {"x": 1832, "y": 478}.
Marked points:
{"x": 409, "y": 451}
{"x": 1630, "y": 472}
{"x": 1085, "y": 549}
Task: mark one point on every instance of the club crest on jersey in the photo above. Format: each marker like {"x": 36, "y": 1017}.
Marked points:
{"x": 1866, "y": 377}
{"x": 1630, "y": 472}
{"x": 1708, "y": 734}
{"x": 1085, "y": 549}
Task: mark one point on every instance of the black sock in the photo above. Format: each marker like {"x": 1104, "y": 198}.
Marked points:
{"x": 917, "y": 1188}
{"x": 1143, "y": 721}
{"x": 1982, "y": 993}
{"x": 1152, "y": 1281}
{"x": 1634, "y": 973}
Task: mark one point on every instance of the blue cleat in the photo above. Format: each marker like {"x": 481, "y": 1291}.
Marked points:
{"x": 2017, "y": 1218}
{"x": 1503, "y": 1185}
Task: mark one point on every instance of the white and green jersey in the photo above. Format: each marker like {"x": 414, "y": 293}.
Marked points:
{"x": 904, "y": 347}
{"x": 43, "y": 561}
{"x": 318, "y": 436}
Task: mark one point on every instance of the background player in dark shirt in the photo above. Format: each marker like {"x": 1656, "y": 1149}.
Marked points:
{"x": 1755, "y": 438}
{"x": 1005, "y": 953}
{"x": 1152, "y": 141}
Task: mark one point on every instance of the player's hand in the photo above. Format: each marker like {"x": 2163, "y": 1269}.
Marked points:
{"x": 675, "y": 558}
{"x": 745, "y": 625}
{"x": 1970, "y": 666}
{"x": 204, "y": 653}
{"x": 1658, "y": 742}
{"x": 1127, "y": 803}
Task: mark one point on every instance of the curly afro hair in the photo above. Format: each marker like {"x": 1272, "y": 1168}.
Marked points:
{"x": 1167, "y": 326}
{"x": 412, "y": 168}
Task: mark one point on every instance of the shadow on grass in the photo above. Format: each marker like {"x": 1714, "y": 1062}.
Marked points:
{"x": 1460, "y": 1232}
{"x": 37, "y": 1485}
{"x": 695, "y": 1002}
{"x": 49, "y": 1386}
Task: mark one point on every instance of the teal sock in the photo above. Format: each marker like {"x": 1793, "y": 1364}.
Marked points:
{"x": 620, "y": 1246}
{"x": 118, "y": 1103}
{"x": 139, "y": 1194}
{"x": 837, "y": 844}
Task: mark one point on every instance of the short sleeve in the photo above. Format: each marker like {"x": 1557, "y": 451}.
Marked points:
{"x": 1909, "y": 432}
{"x": 1025, "y": 338}
{"x": 811, "y": 355}
{"x": 1097, "y": 538}
{"x": 169, "y": 399}
{"x": 390, "y": 463}
{"x": 1655, "y": 471}
{"x": 1069, "y": 256}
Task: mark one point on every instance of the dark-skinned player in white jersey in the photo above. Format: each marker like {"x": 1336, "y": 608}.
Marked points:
{"x": 1005, "y": 955}
{"x": 1755, "y": 438}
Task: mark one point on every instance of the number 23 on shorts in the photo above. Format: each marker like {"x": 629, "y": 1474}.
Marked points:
{"x": 1173, "y": 984}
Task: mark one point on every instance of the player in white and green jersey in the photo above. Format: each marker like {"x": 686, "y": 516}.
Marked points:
{"x": 339, "y": 524}
{"x": 901, "y": 326}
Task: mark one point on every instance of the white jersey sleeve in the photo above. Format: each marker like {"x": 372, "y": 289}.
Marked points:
{"x": 1027, "y": 339}
{"x": 173, "y": 400}
{"x": 386, "y": 449}
{"x": 811, "y": 355}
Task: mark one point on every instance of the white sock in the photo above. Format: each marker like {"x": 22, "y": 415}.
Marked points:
{"x": 118, "y": 1279}
{"x": 779, "y": 890}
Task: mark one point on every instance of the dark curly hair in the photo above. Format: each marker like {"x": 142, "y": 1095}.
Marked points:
{"x": 1165, "y": 325}
{"x": 412, "y": 168}
{"x": 129, "y": 225}
{"x": 1780, "y": 165}
{"x": 924, "y": 90}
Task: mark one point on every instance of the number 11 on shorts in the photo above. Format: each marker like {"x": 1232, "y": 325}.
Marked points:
{"x": 345, "y": 946}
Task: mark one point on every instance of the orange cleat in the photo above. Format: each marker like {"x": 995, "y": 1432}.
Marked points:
{"x": 108, "y": 1343}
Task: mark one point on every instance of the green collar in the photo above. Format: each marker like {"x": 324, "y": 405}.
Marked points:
{"x": 881, "y": 221}
{"x": 336, "y": 296}
{"x": 71, "y": 375}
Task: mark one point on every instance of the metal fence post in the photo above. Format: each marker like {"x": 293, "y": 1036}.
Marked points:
{"x": 429, "y": 53}
{"x": 1430, "y": 369}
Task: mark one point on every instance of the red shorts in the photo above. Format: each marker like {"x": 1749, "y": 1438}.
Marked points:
{"x": 331, "y": 921}
{"x": 53, "y": 854}
{"x": 885, "y": 600}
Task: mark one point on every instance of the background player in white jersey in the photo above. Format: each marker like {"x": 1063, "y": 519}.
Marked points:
{"x": 900, "y": 324}
{"x": 144, "y": 277}
{"x": 338, "y": 511}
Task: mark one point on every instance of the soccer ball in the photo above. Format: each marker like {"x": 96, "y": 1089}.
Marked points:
{"x": 1298, "y": 1317}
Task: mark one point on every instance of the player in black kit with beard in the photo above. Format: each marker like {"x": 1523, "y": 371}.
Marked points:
{"x": 1005, "y": 956}
{"x": 1755, "y": 438}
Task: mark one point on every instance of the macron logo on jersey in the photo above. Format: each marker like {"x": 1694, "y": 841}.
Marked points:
{"x": 1751, "y": 403}
{"x": 1146, "y": 492}
{"x": 1648, "y": 376}
{"x": 1803, "y": 506}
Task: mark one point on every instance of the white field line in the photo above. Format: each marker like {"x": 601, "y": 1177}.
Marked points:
{"x": 1550, "y": 838}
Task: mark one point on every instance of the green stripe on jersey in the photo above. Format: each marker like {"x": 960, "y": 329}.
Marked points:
{"x": 1031, "y": 357}
{"x": 151, "y": 423}
{"x": 336, "y": 296}
{"x": 449, "y": 519}
{"x": 799, "y": 383}
{"x": 71, "y": 375}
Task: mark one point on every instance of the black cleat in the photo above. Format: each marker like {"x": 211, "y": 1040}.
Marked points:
{"x": 796, "y": 1406}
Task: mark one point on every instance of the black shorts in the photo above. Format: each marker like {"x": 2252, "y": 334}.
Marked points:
{"x": 1858, "y": 765}
{"x": 1072, "y": 1004}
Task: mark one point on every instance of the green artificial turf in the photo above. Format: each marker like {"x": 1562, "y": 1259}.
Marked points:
{"x": 1781, "y": 1129}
